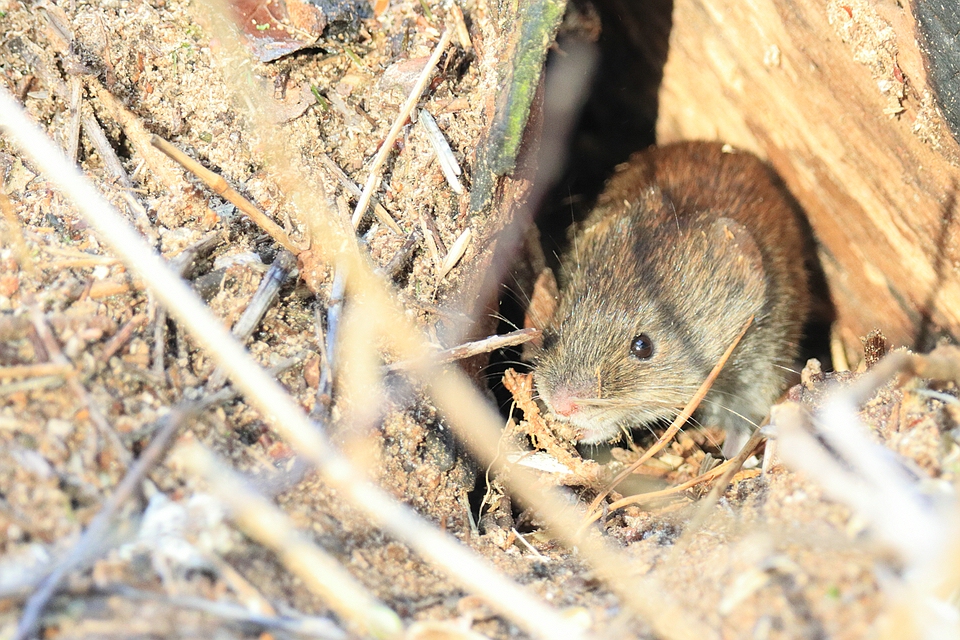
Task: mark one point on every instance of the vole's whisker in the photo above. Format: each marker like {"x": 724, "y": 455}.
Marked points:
{"x": 728, "y": 409}
{"x": 786, "y": 368}
{"x": 502, "y": 318}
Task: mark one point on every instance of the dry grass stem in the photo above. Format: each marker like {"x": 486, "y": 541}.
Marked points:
{"x": 448, "y": 162}
{"x": 834, "y": 448}
{"x": 263, "y": 298}
{"x": 671, "y": 492}
{"x": 463, "y": 34}
{"x": 470, "y": 349}
{"x": 387, "y": 146}
{"x": 400, "y": 258}
{"x": 220, "y": 186}
{"x": 732, "y": 467}
{"x": 86, "y": 258}
{"x": 305, "y": 626}
{"x": 378, "y": 209}
{"x": 114, "y": 167}
{"x": 121, "y": 337}
{"x": 138, "y": 136}
{"x": 478, "y": 425}
{"x": 457, "y": 250}
{"x": 678, "y": 422}
{"x": 31, "y": 384}
{"x": 73, "y": 123}
{"x": 267, "y": 524}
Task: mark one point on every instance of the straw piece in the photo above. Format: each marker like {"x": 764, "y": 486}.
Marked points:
{"x": 401, "y": 119}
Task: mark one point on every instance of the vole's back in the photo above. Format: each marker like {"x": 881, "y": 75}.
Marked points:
{"x": 684, "y": 245}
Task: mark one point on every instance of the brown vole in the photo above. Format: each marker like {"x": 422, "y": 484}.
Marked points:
{"x": 685, "y": 244}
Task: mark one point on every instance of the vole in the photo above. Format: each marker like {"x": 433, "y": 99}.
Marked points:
{"x": 686, "y": 242}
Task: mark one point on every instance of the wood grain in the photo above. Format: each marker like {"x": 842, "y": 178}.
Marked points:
{"x": 835, "y": 96}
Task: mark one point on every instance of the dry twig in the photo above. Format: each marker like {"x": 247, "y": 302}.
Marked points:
{"x": 833, "y": 448}
{"x": 220, "y": 186}
{"x": 57, "y": 357}
{"x": 33, "y": 370}
{"x": 382, "y": 214}
{"x": 264, "y": 297}
{"x": 267, "y": 524}
{"x": 307, "y": 626}
{"x": 470, "y": 349}
{"x": 385, "y": 148}
{"x": 448, "y": 162}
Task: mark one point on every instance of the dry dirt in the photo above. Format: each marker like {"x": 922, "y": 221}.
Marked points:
{"x": 774, "y": 559}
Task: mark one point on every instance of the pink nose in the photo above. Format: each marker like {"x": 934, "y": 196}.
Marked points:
{"x": 565, "y": 405}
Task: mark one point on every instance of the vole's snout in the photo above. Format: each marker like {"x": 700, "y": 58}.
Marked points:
{"x": 564, "y": 398}
{"x": 564, "y": 403}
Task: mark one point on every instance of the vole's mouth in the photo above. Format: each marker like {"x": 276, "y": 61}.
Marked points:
{"x": 590, "y": 429}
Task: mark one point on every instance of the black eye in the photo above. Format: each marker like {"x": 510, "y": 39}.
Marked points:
{"x": 641, "y": 347}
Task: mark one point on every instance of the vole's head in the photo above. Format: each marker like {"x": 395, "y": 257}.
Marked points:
{"x": 643, "y": 316}
{"x": 612, "y": 364}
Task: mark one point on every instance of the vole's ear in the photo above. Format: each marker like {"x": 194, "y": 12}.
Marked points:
{"x": 543, "y": 301}
{"x": 652, "y": 198}
{"x": 657, "y": 207}
{"x": 733, "y": 250}
{"x": 543, "y": 306}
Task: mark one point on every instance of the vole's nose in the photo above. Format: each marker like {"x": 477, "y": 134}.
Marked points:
{"x": 565, "y": 404}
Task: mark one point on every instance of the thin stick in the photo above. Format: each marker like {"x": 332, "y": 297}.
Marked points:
{"x": 448, "y": 162}
{"x": 220, "y": 186}
{"x": 73, "y": 122}
{"x": 677, "y": 423}
{"x": 269, "y": 526}
{"x": 56, "y": 356}
{"x": 470, "y": 349}
{"x": 401, "y": 119}
{"x": 31, "y": 384}
{"x": 42, "y": 64}
{"x": 16, "y": 327}
{"x": 726, "y": 470}
{"x": 259, "y": 304}
{"x": 733, "y": 466}
{"x": 121, "y": 337}
{"x": 478, "y": 425}
{"x": 382, "y": 214}
{"x": 181, "y": 263}
{"x": 114, "y": 167}
{"x": 328, "y": 344}
{"x": 392, "y": 268}
{"x": 309, "y": 626}
{"x": 664, "y": 493}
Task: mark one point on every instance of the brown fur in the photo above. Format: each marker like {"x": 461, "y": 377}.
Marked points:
{"x": 685, "y": 244}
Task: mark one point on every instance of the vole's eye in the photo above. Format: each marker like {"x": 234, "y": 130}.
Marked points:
{"x": 642, "y": 347}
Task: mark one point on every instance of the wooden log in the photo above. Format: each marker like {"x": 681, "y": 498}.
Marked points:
{"x": 835, "y": 94}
